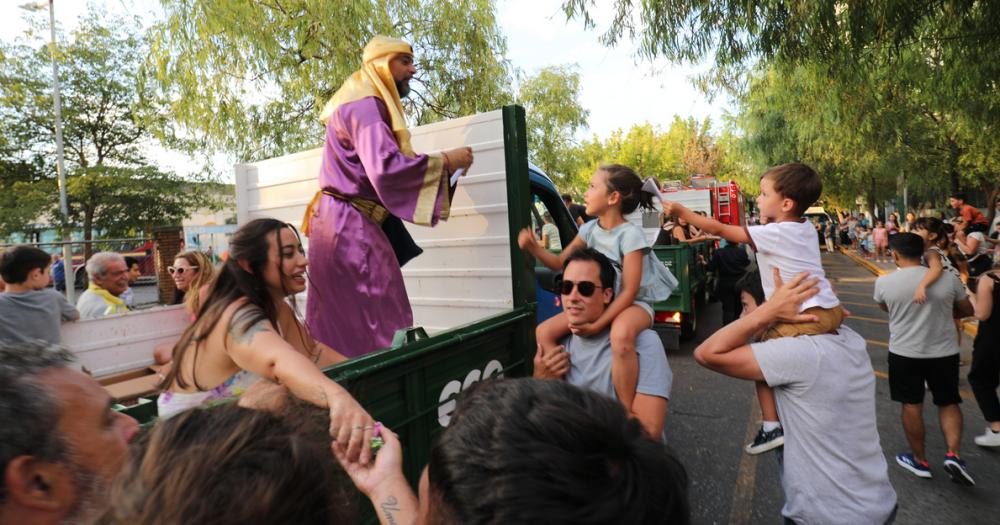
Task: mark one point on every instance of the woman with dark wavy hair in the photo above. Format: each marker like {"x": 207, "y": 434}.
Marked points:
{"x": 245, "y": 331}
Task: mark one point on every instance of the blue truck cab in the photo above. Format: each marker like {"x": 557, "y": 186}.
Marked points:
{"x": 546, "y": 198}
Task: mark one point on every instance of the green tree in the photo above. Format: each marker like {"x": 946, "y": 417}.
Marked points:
{"x": 111, "y": 186}
{"x": 554, "y": 115}
{"x": 251, "y": 77}
{"x": 890, "y": 93}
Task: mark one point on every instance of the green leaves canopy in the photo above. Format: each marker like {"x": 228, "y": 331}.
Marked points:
{"x": 251, "y": 77}
{"x": 554, "y": 114}
{"x": 111, "y": 185}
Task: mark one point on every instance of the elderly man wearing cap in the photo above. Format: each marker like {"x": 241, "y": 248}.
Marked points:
{"x": 370, "y": 181}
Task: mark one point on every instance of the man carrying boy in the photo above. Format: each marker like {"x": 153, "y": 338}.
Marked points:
{"x": 923, "y": 349}
{"x": 29, "y": 310}
{"x": 786, "y": 242}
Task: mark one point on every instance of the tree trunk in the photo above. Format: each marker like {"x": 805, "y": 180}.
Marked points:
{"x": 88, "y": 234}
{"x": 954, "y": 152}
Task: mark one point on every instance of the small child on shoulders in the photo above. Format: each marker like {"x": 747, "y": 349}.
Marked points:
{"x": 787, "y": 242}
{"x": 29, "y": 309}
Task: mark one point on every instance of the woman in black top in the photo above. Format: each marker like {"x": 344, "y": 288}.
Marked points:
{"x": 985, "y": 373}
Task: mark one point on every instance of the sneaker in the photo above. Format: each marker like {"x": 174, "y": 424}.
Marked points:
{"x": 766, "y": 441}
{"x": 917, "y": 468}
{"x": 988, "y": 439}
{"x": 956, "y": 469}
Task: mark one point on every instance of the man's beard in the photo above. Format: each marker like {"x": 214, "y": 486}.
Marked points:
{"x": 403, "y": 88}
{"x": 91, "y": 496}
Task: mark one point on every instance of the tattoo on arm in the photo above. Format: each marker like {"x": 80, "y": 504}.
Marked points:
{"x": 243, "y": 328}
{"x": 389, "y": 506}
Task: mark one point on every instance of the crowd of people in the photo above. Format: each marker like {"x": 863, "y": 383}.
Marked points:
{"x": 582, "y": 441}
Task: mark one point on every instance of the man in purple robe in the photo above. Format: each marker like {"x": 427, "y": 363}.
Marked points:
{"x": 370, "y": 175}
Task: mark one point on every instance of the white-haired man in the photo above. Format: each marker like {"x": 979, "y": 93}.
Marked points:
{"x": 108, "y": 275}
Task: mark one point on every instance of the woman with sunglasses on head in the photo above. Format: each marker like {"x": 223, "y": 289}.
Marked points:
{"x": 247, "y": 335}
{"x": 191, "y": 272}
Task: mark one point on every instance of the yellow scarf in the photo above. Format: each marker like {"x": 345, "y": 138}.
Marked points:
{"x": 115, "y": 305}
{"x": 374, "y": 79}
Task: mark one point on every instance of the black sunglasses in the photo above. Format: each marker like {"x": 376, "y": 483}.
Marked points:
{"x": 586, "y": 288}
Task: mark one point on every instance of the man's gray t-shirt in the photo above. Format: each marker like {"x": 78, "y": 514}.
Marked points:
{"x": 834, "y": 468}
{"x": 921, "y": 331}
{"x": 590, "y": 364}
{"x": 27, "y": 316}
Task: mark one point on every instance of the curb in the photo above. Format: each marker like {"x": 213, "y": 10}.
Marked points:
{"x": 969, "y": 327}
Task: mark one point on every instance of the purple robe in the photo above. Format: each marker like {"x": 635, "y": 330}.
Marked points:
{"x": 357, "y": 299}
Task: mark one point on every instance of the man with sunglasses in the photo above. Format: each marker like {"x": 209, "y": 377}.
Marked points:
{"x": 587, "y": 287}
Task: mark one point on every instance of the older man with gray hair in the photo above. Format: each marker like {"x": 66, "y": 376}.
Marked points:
{"x": 108, "y": 275}
{"x": 61, "y": 443}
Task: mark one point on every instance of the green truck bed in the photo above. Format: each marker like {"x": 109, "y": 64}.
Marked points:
{"x": 678, "y": 312}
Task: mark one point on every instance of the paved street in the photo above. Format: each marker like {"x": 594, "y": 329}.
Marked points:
{"x": 712, "y": 417}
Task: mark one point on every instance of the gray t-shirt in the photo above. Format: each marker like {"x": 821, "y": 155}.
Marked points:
{"x": 834, "y": 468}
{"x": 33, "y": 315}
{"x": 657, "y": 282}
{"x": 590, "y": 364}
{"x": 921, "y": 331}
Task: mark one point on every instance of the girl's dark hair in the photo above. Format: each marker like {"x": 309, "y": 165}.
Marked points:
{"x": 230, "y": 464}
{"x": 750, "y": 283}
{"x": 536, "y": 451}
{"x": 935, "y": 226}
{"x": 627, "y": 183}
{"x": 231, "y": 283}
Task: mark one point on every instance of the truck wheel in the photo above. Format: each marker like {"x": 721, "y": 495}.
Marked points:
{"x": 689, "y": 322}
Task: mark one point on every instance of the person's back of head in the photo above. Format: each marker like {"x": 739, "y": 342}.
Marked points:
{"x": 796, "y": 181}
{"x": 567, "y": 198}
{"x": 18, "y": 262}
{"x": 538, "y": 451}
{"x": 229, "y": 464}
{"x": 907, "y": 246}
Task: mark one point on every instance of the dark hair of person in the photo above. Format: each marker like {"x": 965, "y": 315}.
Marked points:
{"x": 959, "y": 195}
{"x": 536, "y": 451}
{"x": 909, "y": 246}
{"x": 608, "y": 274}
{"x": 750, "y": 283}
{"x": 935, "y": 226}
{"x": 18, "y": 261}
{"x": 796, "y": 181}
{"x": 626, "y": 182}
{"x": 29, "y": 414}
{"x": 231, "y": 283}
{"x": 566, "y": 197}
{"x": 130, "y": 262}
{"x": 230, "y": 464}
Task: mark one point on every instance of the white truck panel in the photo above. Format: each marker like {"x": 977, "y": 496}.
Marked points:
{"x": 467, "y": 256}
{"x": 120, "y": 343}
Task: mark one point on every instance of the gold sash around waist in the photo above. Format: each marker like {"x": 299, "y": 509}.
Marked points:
{"x": 369, "y": 208}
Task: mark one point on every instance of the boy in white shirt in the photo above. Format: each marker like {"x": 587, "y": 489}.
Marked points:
{"x": 787, "y": 242}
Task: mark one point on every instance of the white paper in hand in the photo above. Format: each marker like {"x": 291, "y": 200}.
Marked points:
{"x": 454, "y": 176}
{"x": 650, "y": 186}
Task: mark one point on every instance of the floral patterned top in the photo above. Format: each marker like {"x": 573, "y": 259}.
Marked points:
{"x": 170, "y": 403}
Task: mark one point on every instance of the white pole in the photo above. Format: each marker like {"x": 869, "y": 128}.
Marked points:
{"x": 60, "y": 166}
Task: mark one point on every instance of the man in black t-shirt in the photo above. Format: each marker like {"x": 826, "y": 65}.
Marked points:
{"x": 578, "y": 211}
